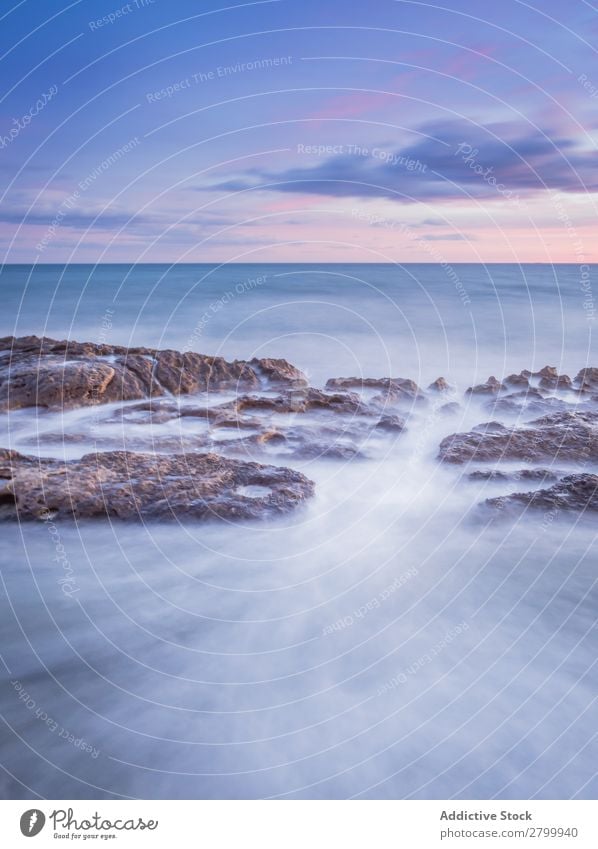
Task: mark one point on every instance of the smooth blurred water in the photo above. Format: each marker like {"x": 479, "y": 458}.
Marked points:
{"x": 414, "y": 320}
{"x": 383, "y": 641}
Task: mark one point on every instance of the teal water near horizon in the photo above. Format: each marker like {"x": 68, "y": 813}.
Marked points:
{"x": 420, "y": 320}
{"x": 380, "y": 642}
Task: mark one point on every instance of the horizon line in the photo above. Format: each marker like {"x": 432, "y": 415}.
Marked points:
{"x": 225, "y": 264}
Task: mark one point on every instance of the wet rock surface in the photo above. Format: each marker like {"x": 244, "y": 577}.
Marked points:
{"x": 45, "y": 372}
{"x": 184, "y": 406}
{"x": 131, "y": 486}
{"x": 574, "y": 493}
{"x": 394, "y": 389}
{"x": 537, "y": 418}
{"x": 491, "y": 387}
{"x": 536, "y": 475}
{"x": 571, "y": 436}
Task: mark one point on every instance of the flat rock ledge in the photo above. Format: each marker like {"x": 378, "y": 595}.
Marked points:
{"x": 559, "y": 437}
{"x": 42, "y": 372}
{"x": 577, "y": 493}
{"x": 131, "y": 486}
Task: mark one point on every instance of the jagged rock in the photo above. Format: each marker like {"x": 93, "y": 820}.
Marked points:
{"x": 491, "y": 387}
{"x": 576, "y": 493}
{"x": 516, "y": 380}
{"x": 562, "y": 436}
{"x": 439, "y": 385}
{"x": 60, "y": 374}
{"x": 278, "y": 372}
{"x": 127, "y": 485}
{"x": 549, "y": 372}
{"x": 586, "y": 379}
{"x": 560, "y": 381}
{"x": 490, "y": 427}
{"x": 400, "y": 386}
{"x": 187, "y": 373}
{"x": 299, "y": 401}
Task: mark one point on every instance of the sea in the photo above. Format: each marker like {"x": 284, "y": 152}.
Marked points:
{"x": 383, "y": 641}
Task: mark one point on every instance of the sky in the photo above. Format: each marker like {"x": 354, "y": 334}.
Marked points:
{"x": 298, "y": 131}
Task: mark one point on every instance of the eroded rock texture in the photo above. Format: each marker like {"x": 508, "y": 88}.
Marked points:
{"x": 127, "y": 485}
{"x": 46, "y": 373}
{"x": 577, "y": 493}
{"x": 571, "y": 436}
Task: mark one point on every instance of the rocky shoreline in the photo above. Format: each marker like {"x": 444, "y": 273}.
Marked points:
{"x": 232, "y": 416}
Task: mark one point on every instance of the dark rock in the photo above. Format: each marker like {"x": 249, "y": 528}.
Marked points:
{"x": 490, "y": 427}
{"x": 439, "y": 385}
{"x": 491, "y": 387}
{"x": 517, "y": 380}
{"x": 560, "y": 381}
{"x": 562, "y": 436}
{"x": 127, "y": 485}
{"x": 576, "y": 493}
{"x": 548, "y": 372}
{"x": 587, "y": 378}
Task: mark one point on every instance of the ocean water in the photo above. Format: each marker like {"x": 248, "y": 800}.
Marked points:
{"x": 386, "y": 640}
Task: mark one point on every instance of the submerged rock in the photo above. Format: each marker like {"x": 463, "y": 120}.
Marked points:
{"x": 521, "y": 474}
{"x": 395, "y": 389}
{"x": 300, "y": 401}
{"x": 44, "y": 372}
{"x": 560, "y": 436}
{"x": 450, "y": 409}
{"x": 127, "y": 485}
{"x": 576, "y": 493}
